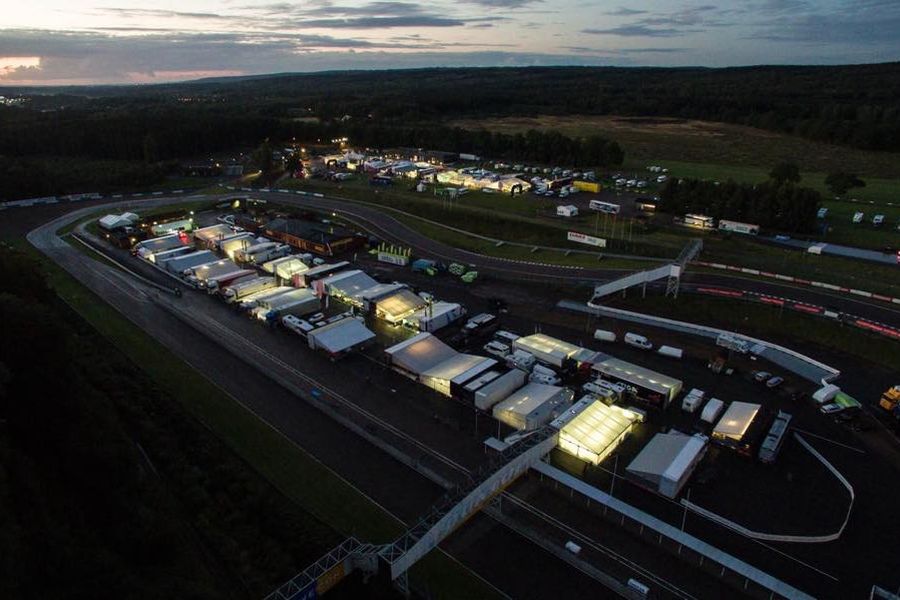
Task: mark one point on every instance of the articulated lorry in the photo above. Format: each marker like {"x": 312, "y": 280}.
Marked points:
{"x": 250, "y": 301}
{"x": 260, "y": 253}
{"x": 298, "y": 302}
{"x": 237, "y": 291}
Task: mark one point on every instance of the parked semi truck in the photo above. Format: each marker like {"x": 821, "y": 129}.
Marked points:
{"x": 890, "y": 398}
{"x": 214, "y": 284}
{"x": 260, "y": 253}
{"x": 244, "y": 288}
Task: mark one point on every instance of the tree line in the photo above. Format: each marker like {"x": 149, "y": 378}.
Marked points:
{"x": 108, "y": 487}
{"x": 855, "y": 105}
{"x": 779, "y": 205}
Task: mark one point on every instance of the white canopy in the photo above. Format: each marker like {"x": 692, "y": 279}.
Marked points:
{"x": 340, "y": 336}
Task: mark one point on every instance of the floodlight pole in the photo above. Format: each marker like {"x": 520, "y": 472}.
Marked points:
{"x": 612, "y": 482}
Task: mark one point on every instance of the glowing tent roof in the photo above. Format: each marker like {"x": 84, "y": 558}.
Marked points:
{"x": 595, "y": 431}
{"x": 736, "y": 420}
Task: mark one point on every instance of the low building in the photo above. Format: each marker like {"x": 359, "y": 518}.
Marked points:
{"x": 338, "y": 338}
{"x": 320, "y": 238}
{"x": 668, "y": 461}
{"x": 433, "y": 363}
{"x": 113, "y": 222}
{"x": 532, "y": 406}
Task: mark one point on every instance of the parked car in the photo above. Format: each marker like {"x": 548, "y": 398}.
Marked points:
{"x": 830, "y": 408}
{"x": 761, "y": 376}
{"x": 774, "y": 382}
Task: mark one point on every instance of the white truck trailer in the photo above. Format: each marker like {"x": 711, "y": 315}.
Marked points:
{"x": 258, "y": 254}
{"x": 242, "y": 289}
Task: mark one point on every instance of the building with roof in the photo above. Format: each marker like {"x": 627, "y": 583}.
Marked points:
{"x": 739, "y": 426}
{"x": 643, "y": 385}
{"x": 338, "y": 338}
{"x": 397, "y": 306}
{"x": 111, "y": 222}
{"x": 433, "y": 363}
{"x": 554, "y": 351}
{"x": 668, "y": 461}
{"x": 325, "y": 239}
{"x": 206, "y": 237}
{"x": 434, "y": 316}
{"x": 595, "y": 429}
{"x": 286, "y": 268}
{"x": 348, "y": 285}
{"x": 534, "y": 405}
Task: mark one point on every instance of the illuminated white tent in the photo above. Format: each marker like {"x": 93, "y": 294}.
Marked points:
{"x": 596, "y": 430}
{"x": 736, "y": 420}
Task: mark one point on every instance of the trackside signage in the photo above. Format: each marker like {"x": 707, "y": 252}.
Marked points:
{"x": 590, "y": 240}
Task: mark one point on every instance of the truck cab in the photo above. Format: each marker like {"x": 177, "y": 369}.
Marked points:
{"x": 890, "y": 398}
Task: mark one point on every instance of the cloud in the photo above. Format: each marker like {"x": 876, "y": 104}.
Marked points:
{"x": 875, "y": 23}
{"x": 382, "y": 22}
{"x": 503, "y": 3}
{"x": 636, "y": 31}
{"x": 92, "y": 57}
{"x": 621, "y": 51}
{"x": 625, "y": 12}
{"x": 152, "y": 12}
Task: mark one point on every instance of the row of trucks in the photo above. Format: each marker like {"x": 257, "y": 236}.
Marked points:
{"x": 235, "y": 276}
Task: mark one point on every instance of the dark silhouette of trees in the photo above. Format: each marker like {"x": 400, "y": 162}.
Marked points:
{"x": 785, "y": 173}
{"x": 782, "y": 207}
{"x": 840, "y": 183}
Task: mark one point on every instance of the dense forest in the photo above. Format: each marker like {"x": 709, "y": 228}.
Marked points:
{"x": 108, "y": 489}
{"x": 144, "y": 128}
{"x": 779, "y": 205}
{"x": 855, "y": 105}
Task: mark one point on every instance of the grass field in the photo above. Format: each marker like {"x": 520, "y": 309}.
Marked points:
{"x": 300, "y": 476}
{"x": 460, "y": 240}
{"x": 662, "y": 242}
{"x": 649, "y": 140}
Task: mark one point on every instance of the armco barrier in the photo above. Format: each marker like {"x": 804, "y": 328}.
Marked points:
{"x": 819, "y": 284}
{"x": 774, "y": 537}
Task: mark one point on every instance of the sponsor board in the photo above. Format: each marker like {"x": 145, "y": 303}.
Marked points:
{"x": 574, "y": 236}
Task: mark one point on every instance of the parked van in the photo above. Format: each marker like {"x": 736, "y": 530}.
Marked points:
{"x": 693, "y": 400}
{"x": 670, "y": 351}
{"x": 604, "y": 336}
{"x": 638, "y": 341}
{"x": 825, "y": 394}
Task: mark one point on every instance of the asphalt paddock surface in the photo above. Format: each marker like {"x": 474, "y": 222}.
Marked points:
{"x": 493, "y": 550}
